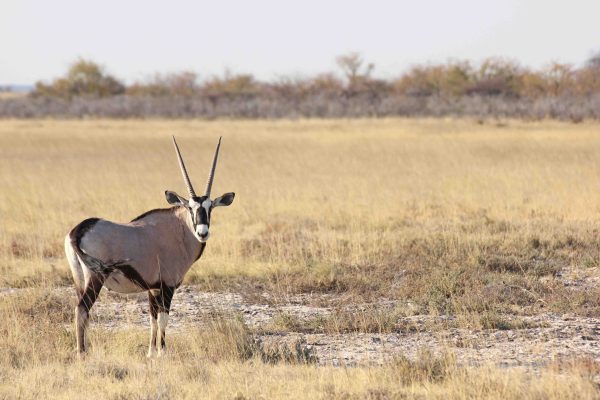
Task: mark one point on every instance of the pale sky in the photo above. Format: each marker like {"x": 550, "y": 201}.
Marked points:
{"x": 270, "y": 38}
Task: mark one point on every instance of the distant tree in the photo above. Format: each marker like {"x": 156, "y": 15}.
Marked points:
{"x": 178, "y": 84}
{"x": 588, "y": 77}
{"x": 451, "y": 79}
{"x": 560, "y": 79}
{"x": 457, "y": 77}
{"x": 287, "y": 88}
{"x": 84, "y": 78}
{"x": 231, "y": 85}
{"x": 325, "y": 84}
{"x": 351, "y": 65}
{"x": 593, "y": 61}
{"x": 496, "y": 76}
{"x": 183, "y": 83}
{"x": 532, "y": 84}
{"x": 419, "y": 81}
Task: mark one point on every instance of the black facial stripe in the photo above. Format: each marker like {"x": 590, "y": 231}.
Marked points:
{"x": 203, "y": 216}
{"x": 199, "y": 216}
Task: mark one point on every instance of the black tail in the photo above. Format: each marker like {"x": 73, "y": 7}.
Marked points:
{"x": 92, "y": 263}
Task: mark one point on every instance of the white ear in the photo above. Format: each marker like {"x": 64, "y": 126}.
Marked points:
{"x": 224, "y": 200}
{"x": 175, "y": 199}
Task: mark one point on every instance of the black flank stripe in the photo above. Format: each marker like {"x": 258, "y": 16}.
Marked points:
{"x": 134, "y": 276}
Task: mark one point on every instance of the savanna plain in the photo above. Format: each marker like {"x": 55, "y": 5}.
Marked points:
{"x": 361, "y": 259}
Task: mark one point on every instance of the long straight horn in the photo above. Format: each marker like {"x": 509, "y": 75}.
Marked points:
{"x": 211, "y": 175}
{"x": 186, "y": 178}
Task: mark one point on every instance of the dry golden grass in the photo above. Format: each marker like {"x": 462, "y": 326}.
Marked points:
{"x": 455, "y": 217}
{"x": 426, "y": 210}
{"x": 222, "y": 361}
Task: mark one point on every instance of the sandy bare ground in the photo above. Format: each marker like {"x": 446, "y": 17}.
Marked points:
{"x": 551, "y": 337}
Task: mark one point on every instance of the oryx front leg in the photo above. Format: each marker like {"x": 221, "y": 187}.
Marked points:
{"x": 153, "y": 325}
{"x": 160, "y": 305}
{"x": 82, "y": 310}
{"x": 163, "y": 319}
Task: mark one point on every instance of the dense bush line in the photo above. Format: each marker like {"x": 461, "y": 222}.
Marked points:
{"x": 127, "y": 106}
{"x": 496, "y": 88}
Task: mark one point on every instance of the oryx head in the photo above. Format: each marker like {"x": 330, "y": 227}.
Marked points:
{"x": 200, "y": 207}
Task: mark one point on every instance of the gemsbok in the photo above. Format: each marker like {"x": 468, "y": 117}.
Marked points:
{"x": 151, "y": 253}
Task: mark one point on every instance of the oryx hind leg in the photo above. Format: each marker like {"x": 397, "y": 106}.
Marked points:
{"x": 82, "y": 310}
{"x": 160, "y": 306}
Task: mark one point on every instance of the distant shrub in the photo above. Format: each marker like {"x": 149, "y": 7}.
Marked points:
{"x": 451, "y": 79}
{"x": 231, "y": 86}
{"x": 84, "y": 78}
{"x": 178, "y": 84}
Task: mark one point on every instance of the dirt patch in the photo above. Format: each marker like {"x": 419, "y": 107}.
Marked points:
{"x": 545, "y": 338}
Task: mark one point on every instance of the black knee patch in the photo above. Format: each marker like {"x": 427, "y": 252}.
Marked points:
{"x": 162, "y": 301}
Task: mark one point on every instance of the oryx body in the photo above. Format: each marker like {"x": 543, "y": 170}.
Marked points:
{"x": 151, "y": 253}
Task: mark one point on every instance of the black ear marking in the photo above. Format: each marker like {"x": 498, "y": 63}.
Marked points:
{"x": 224, "y": 200}
{"x": 175, "y": 199}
